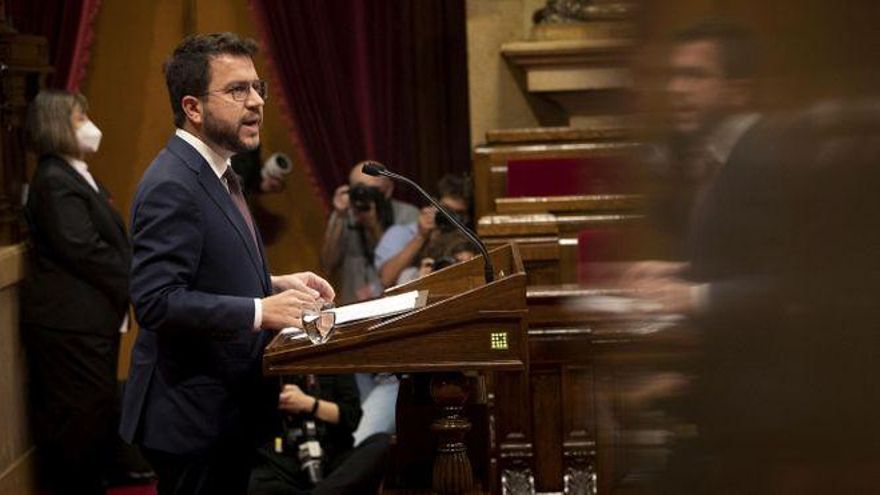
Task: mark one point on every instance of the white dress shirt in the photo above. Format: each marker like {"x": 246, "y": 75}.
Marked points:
{"x": 82, "y": 169}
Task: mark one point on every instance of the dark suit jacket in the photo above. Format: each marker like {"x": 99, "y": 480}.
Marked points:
{"x": 787, "y": 238}
{"x": 80, "y": 254}
{"x": 784, "y": 240}
{"x": 196, "y": 377}
{"x": 738, "y": 244}
{"x": 735, "y": 239}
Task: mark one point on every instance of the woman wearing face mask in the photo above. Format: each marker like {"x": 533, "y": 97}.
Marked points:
{"x": 75, "y": 298}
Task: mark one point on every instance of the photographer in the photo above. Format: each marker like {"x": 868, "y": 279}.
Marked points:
{"x": 313, "y": 453}
{"x": 362, "y": 211}
{"x": 404, "y": 245}
{"x": 440, "y": 253}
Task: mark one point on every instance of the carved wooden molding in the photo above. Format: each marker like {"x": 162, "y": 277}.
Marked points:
{"x": 572, "y": 65}
{"x": 613, "y": 27}
{"x": 567, "y": 53}
{"x": 588, "y": 78}
{"x": 583, "y": 203}
{"x": 557, "y": 134}
{"x": 517, "y": 482}
{"x": 557, "y": 150}
{"x": 530, "y": 224}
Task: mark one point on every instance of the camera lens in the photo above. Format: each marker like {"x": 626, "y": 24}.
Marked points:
{"x": 282, "y": 162}
{"x": 444, "y": 223}
{"x": 441, "y": 263}
{"x": 363, "y": 197}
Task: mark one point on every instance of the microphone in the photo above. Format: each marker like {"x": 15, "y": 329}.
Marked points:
{"x": 376, "y": 169}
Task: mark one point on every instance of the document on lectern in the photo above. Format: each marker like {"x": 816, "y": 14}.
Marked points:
{"x": 318, "y": 327}
{"x": 384, "y": 306}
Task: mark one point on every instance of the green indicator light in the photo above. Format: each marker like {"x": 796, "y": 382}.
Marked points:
{"x": 498, "y": 341}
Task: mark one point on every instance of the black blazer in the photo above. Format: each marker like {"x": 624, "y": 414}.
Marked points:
{"x": 80, "y": 254}
{"x": 785, "y": 366}
{"x": 196, "y": 376}
{"x": 739, "y": 235}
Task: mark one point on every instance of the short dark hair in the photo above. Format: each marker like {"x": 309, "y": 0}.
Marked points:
{"x": 188, "y": 72}
{"x": 455, "y": 186}
{"x": 738, "y": 45}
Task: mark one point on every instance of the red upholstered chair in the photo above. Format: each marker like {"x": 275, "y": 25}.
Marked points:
{"x": 594, "y": 245}
{"x": 568, "y": 176}
{"x": 601, "y": 250}
{"x": 595, "y": 175}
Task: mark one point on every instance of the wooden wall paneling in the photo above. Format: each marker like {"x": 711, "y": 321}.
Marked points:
{"x": 512, "y": 431}
{"x": 579, "y": 472}
{"x": 17, "y": 475}
{"x": 493, "y": 471}
{"x": 560, "y": 354}
{"x": 609, "y": 448}
{"x": 546, "y": 407}
{"x": 626, "y": 458}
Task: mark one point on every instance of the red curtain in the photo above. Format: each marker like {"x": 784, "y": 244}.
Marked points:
{"x": 365, "y": 79}
{"x": 67, "y": 24}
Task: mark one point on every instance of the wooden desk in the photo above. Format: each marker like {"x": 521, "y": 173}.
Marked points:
{"x": 548, "y": 242}
{"x": 468, "y": 324}
{"x": 580, "y": 365}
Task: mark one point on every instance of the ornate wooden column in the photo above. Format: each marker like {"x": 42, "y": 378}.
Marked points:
{"x": 452, "y": 473}
{"x": 24, "y": 64}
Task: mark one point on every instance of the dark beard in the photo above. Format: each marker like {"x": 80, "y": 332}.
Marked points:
{"x": 225, "y": 136}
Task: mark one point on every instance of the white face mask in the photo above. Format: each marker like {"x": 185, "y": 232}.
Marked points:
{"x": 89, "y": 137}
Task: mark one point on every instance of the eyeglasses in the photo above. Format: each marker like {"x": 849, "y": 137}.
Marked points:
{"x": 239, "y": 91}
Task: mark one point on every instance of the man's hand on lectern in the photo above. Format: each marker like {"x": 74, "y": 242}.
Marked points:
{"x": 306, "y": 282}
{"x": 295, "y": 293}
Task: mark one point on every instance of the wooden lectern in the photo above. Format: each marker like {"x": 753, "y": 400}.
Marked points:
{"x": 467, "y": 325}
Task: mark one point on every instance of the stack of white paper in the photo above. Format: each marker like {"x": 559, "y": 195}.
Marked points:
{"x": 385, "y": 306}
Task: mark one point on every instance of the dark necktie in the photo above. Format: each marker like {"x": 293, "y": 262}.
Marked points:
{"x": 232, "y": 181}
{"x": 705, "y": 168}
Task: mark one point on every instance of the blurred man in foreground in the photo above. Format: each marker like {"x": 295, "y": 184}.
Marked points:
{"x": 777, "y": 287}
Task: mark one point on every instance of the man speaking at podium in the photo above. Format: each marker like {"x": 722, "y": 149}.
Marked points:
{"x": 196, "y": 399}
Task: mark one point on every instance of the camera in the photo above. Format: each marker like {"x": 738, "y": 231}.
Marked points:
{"x": 445, "y": 224}
{"x": 362, "y": 197}
{"x": 443, "y": 262}
{"x": 301, "y": 441}
{"x": 276, "y": 166}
